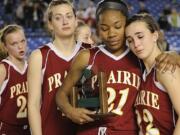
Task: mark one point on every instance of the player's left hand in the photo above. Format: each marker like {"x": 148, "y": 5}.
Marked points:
{"x": 167, "y": 61}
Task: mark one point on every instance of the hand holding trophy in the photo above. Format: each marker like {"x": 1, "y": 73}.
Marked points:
{"x": 84, "y": 96}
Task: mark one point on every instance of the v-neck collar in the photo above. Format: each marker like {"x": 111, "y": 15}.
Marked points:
{"x": 116, "y": 58}
{"x": 59, "y": 54}
{"x": 15, "y": 67}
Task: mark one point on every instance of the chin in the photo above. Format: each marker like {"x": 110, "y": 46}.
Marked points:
{"x": 67, "y": 34}
{"x": 114, "y": 46}
{"x": 21, "y": 57}
{"x": 141, "y": 56}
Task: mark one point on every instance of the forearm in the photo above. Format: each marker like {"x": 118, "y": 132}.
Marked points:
{"x": 63, "y": 103}
{"x": 177, "y": 128}
{"x": 34, "y": 117}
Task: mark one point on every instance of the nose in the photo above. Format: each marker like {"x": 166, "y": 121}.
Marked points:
{"x": 111, "y": 33}
{"x": 65, "y": 20}
{"x": 136, "y": 43}
{"x": 21, "y": 45}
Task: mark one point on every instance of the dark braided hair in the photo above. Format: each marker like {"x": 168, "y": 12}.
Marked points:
{"x": 111, "y": 4}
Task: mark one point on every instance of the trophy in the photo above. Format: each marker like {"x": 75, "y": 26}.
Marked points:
{"x": 83, "y": 96}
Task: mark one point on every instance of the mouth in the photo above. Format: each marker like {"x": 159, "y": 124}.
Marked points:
{"x": 114, "y": 42}
{"x": 66, "y": 28}
{"x": 139, "y": 51}
{"x": 21, "y": 53}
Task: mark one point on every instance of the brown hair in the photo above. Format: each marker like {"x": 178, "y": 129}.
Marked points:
{"x": 152, "y": 25}
{"x": 54, "y": 3}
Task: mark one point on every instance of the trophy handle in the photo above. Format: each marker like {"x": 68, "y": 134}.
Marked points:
{"x": 103, "y": 93}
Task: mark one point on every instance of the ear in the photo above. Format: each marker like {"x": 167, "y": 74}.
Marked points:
{"x": 76, "y": 22}
{"x": 49, "y": 25}
{"x": 155, "y": 36}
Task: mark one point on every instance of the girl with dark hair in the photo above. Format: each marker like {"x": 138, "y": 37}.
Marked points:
{"x": 123, "y": 75}
{"x": 120, "y": 65}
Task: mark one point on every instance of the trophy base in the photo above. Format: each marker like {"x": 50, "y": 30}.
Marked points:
{"x": 99, "y": 116}
{"x": 92, "y": 102}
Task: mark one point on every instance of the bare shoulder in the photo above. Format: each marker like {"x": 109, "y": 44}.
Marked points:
{"x": 82, "y": 58}
{"x": 85, "y": 53}
{"x": 35, "y": 58}
{"x": 36, "y": 54}
{"x": 2, "y": 69}
{"x": 2, "y": 73}
{"x": 35, "y": 61}
{"x": 170, "y": 79}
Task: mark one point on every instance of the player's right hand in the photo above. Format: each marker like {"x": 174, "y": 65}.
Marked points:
{"x": 80, "y": 115}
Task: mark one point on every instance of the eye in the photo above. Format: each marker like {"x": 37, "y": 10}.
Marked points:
{"x": 14, "y": 44}
{"x": 69, "y": 16}
{"x": 104, "y": 28}
{"x": 118, "y": 27}
{"x": 23, "y": 41}
{"x": 129, "y": 41}
{"x": 140, "y": 36}
{"x": 57, "y": 17}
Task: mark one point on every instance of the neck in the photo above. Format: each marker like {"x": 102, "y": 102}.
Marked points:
{"x": 65, "y": 45}
{"x": 150, "y": 60}
{"x": 116, "y": 52}
{"x": 19, "y": 63}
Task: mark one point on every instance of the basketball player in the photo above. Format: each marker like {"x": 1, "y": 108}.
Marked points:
{"x": 48, "y": 68}
{"x": 13, "y": 82}
{"x": 123, "y": 75}
{"x": 159, "y": 92}
{"x": 83, "y": 33}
